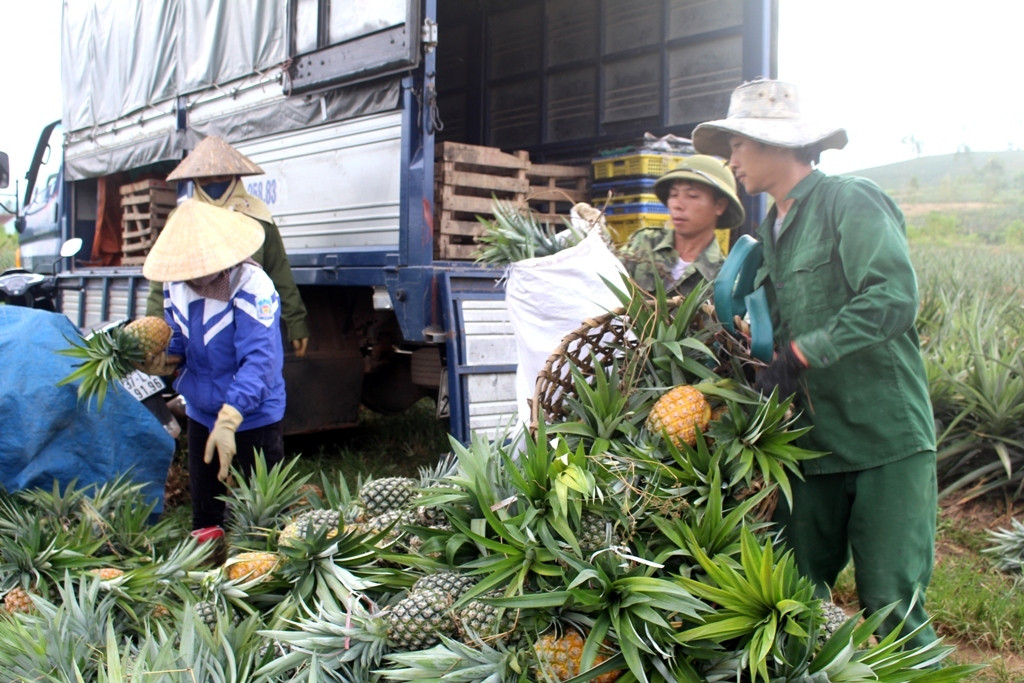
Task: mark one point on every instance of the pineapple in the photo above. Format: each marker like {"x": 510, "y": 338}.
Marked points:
{"x": 480, "y": 620}
{"x": 107, "y": 573}
{"x": 559, "y": 657}
{"x": 594, "y": 534}
{"x": 835, "y": 617}
{"x": 448, "y": 582}
{"x": 378, "y": 496}
{"x": 251, "y": 565}
{"x": 414, "y": 622}
{"x": 206, "y": 610}
{"x": 307, "y": 490}
{"x": 210, "y": 612}
{"x": 111, "y": 355}
{"x": 679, "y": 413}
{"x": 310, "y": 521}
{"x": 392, "y": 521}
{"x": 18, "y": 600}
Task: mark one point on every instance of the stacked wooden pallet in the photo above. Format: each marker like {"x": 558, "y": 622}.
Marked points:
{"x": 469, "y": 177}
{"x": 144, "y": 208}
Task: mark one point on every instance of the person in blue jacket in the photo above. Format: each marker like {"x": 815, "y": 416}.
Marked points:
{"x": 225, "y": 316}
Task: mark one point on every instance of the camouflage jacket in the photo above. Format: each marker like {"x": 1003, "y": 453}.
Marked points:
{"x": 650, "y": 253}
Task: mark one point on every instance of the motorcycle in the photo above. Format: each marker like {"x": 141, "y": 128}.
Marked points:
{"x": 20, "y": 287}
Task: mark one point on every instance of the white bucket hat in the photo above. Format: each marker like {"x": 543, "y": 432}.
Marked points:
{"x": 769, "y": 112}
{"x": 200, "y": 239}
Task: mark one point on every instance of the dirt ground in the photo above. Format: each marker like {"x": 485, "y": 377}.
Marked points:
{"x": 990, "y": 514}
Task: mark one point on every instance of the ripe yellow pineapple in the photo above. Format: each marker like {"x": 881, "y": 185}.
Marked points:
{"x": 107, "y": 573}
{"x": 559, "y": 657}
{"x": 678, "y": 414}
{"x": 112, "y": 354}
{"x": 251, "y": 565}
{"x": 18, "y": 600}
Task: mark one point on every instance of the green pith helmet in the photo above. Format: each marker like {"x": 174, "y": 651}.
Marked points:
{"x": 708, "y": 170}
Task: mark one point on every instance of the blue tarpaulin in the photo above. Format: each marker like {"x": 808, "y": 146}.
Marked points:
{"x": 47, "y": 435}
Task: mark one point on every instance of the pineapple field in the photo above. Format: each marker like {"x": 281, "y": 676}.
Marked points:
{"x": 624, "y": 537}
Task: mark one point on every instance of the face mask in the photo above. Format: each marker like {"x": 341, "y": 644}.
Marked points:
{"x": 204, "y": 280}
{"x": 215, "y": 190}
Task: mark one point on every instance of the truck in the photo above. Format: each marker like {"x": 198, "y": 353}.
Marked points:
{"x": 347, "y": 107}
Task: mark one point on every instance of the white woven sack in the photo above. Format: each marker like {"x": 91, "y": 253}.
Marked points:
{"x": 549, "y": 297}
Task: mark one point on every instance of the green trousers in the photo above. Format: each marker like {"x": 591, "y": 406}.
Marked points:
{"x": 884, "y": 517}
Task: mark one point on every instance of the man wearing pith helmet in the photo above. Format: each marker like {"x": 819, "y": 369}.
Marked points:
{"x": 843, "y": 298}
{"x": 216, "y": 169}
{"x": 700, "y": 193}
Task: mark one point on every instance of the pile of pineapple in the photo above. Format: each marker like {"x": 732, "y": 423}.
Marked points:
{"x": 626, "y": 542}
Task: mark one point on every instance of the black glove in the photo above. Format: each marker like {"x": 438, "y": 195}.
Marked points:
{"x": 784, "y": 373}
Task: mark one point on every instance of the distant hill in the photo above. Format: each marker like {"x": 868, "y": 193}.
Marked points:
{"x": 963, "y": 176}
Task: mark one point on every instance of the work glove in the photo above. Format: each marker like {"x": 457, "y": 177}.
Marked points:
{"x": 222, "y": 440}
{"x": 783, "y": 373}
{"x": 159, "y": 364}
{"x": 299, "y": 346}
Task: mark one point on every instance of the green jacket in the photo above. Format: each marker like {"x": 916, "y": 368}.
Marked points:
{"x": 275, "y": 262}
{"x": 650, "y": 254}
{"x": 841, "y": 285}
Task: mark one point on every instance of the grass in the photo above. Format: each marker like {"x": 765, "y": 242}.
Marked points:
{"x": 974, "y": 606}
{"x": 382, "y": 445}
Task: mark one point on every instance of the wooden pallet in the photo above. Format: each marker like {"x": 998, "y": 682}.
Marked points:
{"x": 467, "y": 179}
{"x": 144, "y": 209}
{"x": 555, "y": 188}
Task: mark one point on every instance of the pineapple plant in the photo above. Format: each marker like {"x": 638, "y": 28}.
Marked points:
{"x": 560, "y": 657}
{"x": 110, "y": 355}
{"x": 679, "y": 413}
{"x": 516, "y": 233}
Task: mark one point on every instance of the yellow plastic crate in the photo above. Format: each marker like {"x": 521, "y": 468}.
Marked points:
{"x": 621, "y": 227}
{"x": 635, "y": 165}
{"x": 618, "y": 200}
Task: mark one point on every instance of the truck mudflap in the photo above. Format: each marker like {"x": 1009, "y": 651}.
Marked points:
{"x": 481, "y": 354}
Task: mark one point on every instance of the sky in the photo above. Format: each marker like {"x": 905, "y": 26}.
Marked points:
{"x": 902, "y": 76}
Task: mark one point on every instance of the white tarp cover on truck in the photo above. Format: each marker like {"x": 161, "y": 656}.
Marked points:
{"x": 125, "y": 63}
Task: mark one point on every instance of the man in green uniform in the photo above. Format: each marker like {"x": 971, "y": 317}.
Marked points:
{"x": 843, "y": 297}
{"x": 216, "y": 168}
{"x": 700, "y": 193}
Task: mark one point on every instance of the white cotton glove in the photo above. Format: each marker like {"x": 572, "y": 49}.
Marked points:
{"x": 222, "y": 440}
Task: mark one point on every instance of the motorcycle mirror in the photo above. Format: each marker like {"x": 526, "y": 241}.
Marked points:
{"x": 71, "y": 247}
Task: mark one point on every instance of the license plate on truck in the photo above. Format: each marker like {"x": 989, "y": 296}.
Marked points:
{"x": 142, "y": 386}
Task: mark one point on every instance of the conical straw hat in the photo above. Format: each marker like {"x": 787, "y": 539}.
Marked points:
{"x": 213, "y": 157}
{"x": 201, "y": 239}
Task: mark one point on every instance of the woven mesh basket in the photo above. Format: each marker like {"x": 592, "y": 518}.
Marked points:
{"x": 598, "y": 341}
{"x": 601, "y": 341}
